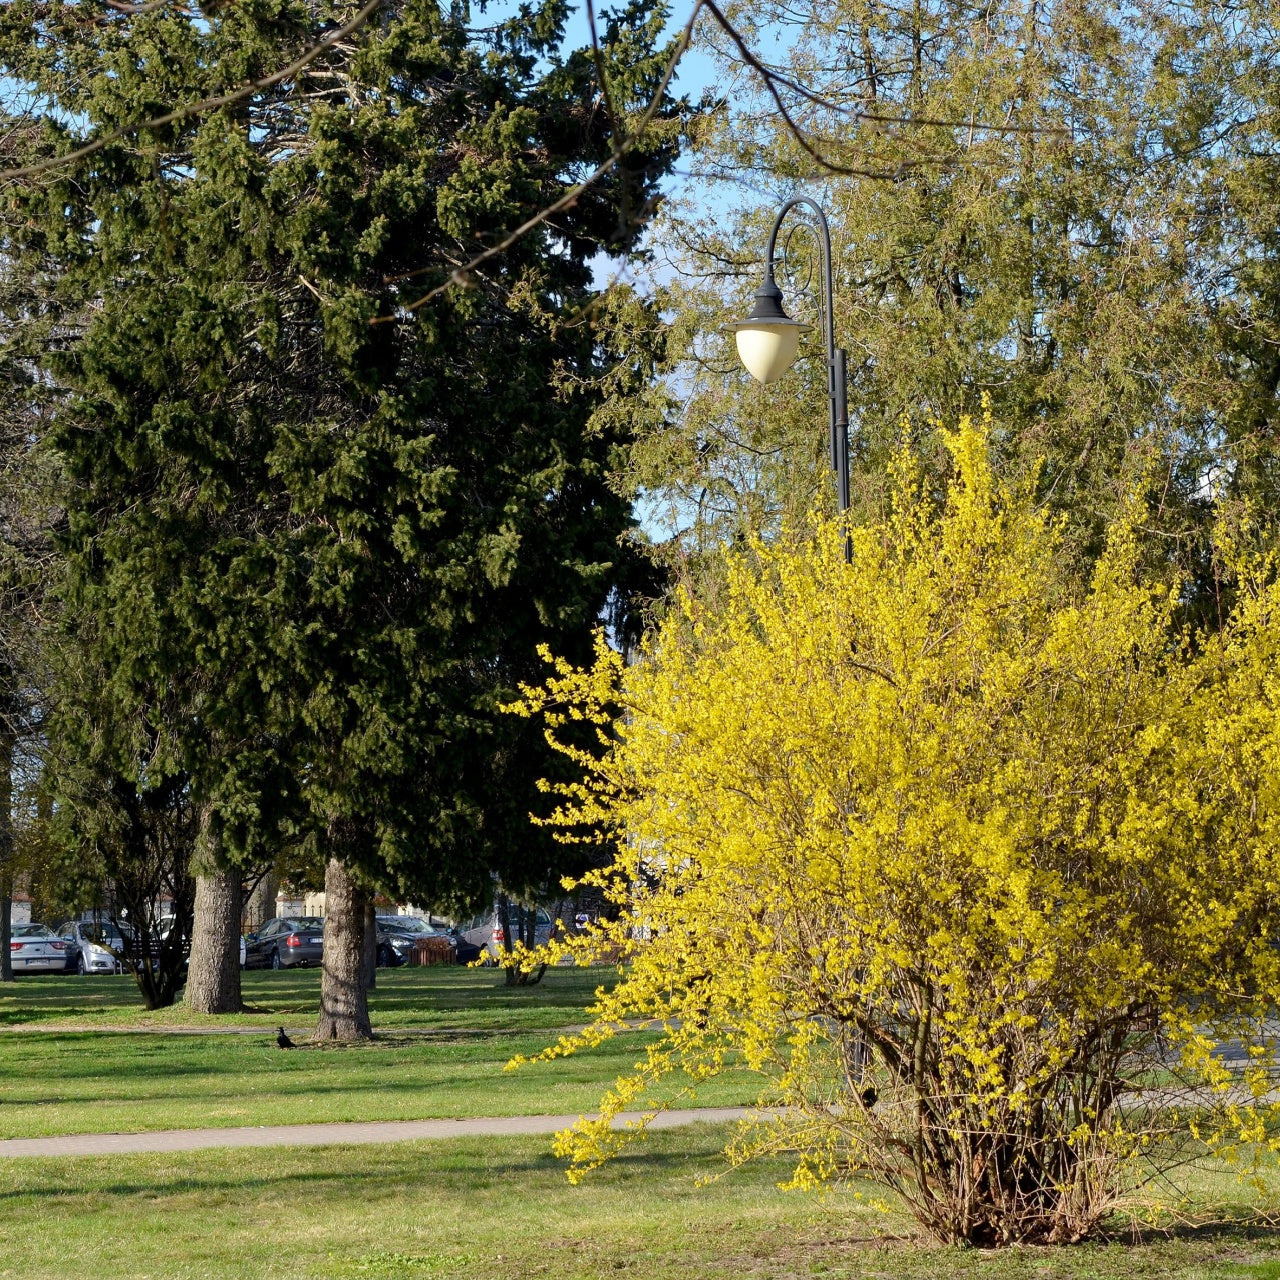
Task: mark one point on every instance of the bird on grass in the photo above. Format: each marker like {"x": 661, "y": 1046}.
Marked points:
{"x": 283, "y": 1040}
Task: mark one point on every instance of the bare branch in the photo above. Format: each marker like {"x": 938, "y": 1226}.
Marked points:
{"x": 460, "y": 275}
{"x": 120, "y": 6}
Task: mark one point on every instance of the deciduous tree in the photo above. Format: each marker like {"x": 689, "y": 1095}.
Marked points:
{"x": 1066, "y": 207}
{"x": 976, "y": 866}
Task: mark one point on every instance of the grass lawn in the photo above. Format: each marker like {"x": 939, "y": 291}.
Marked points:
{"x": 127, "y": 1075}
{"x": 492, "y": 1207}
{"x": 104, "y": 1082}
{"x": 446, "y": 997}
{"x": 501, "y": 1208}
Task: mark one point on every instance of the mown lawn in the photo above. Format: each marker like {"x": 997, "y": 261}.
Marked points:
{"x": 439, "y": 998}
{"x": 493, "y": 1207}
{"x": 107, "y": 1082}
{"x": 131, "y": 1073}
{"x": 501, "y": 1208}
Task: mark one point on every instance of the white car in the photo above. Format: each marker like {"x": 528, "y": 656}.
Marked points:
{"x": 35, "y": 948}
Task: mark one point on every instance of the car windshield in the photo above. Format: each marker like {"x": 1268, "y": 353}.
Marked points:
{"x": 30, "y": 931}
{"x": 104, "y": 934}
{"x": 305, "y": 922}
{"x": 406, "y": 924}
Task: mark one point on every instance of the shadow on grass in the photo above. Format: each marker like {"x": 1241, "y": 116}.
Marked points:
{"x": 448, "y": 993}
{"x": 1240, "y": 1226}
{"x": 400, "y": 1168}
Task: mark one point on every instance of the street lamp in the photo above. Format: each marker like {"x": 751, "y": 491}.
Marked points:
{"x": 768, "y": 341}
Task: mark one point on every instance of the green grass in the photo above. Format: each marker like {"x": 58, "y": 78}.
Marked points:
{"x": 493, "y": 1207}
{"x": 102, "y": 1082}
{"x": 500, "y": 1208}
{"x": 444, "y": 997}
{"x": 130, "y": 1074}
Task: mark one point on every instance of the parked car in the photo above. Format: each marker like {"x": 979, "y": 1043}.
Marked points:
{"x": 286, "y": 943}
{"x": 399, "y": 935}
{"x": 99, "y": 944}
{"x": 485, "y": 930}
{"x": 35, "y": 948}
{"x": 464, "y": 952}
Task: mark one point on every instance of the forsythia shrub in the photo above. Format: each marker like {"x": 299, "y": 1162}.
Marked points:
{"x": 976, "y": 865}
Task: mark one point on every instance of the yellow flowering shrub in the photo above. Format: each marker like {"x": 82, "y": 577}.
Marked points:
{"x": 974, "y": 864}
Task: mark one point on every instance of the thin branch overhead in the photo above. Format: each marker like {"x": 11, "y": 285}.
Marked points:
{"x": 238, "y": 94}
{"x": 775, "y": 83}
{"x": 461, "y": 275}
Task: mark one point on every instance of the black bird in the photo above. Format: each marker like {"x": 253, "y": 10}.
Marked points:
{"x": 283, "y": 1041}
{"x": 869, "y": 1097}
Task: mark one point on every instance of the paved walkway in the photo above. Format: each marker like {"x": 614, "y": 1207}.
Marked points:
{"x": 315, "y": 1135}
{"x": 300, "y": 1032}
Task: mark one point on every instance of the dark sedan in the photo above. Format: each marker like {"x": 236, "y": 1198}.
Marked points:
{"x": 284, "y": 943}
{"x": 413, "y": 940}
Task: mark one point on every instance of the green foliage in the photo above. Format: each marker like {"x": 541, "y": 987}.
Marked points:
{"x": 1067, "y": 208}
{"x": 313, "y": 534}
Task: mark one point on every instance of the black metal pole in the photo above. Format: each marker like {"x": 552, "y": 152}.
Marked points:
{"x": 837, "y": 360}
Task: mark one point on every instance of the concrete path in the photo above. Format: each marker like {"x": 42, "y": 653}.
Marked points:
{"x": 315, "y": 1135}
{"x": 299, "y": 1033}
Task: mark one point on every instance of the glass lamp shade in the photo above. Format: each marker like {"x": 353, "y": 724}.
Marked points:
{"x": 768, "y": 348}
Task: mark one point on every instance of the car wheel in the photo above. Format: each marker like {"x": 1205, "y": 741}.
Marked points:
{"x": 80, "y": 966}
{"x": 275, "y": 960}
{"x": 384, "y": 957}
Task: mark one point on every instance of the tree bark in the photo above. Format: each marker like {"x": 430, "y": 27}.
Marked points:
{"x": 344, "y": 1010}
{"x": 370, "y": 959}
{"x": 6, "y": 929}
{"x": 261, "y": 906}
{"x": 213, "y": 977}
{"x": 6, "y": 852}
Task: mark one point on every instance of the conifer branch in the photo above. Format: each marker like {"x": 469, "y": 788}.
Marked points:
{"x": 228, "y": 99}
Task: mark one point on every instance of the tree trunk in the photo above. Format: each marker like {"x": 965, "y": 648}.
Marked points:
{"x": 519, "y": 924}
{"x": 6, "y": 852}
{"x": 370, "y": 943}
{"x": 6, "y": 929}
{"x": 344, "y": 1010}
{"x": 213, "y": 978}
{"x": 261, "y": 906}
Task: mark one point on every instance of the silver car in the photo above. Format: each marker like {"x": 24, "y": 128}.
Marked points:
{"x": 98, "y": 944}
{"x": 35, "y": 948}
{"x": 485, "y": 931}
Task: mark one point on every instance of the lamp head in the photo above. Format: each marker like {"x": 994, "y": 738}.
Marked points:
{"x": 768, "y": 339}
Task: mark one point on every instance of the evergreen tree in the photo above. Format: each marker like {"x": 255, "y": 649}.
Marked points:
{"x": 315, "y": 530}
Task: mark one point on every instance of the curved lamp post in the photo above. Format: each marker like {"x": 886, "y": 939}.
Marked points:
{"x": 768, "y": 341}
